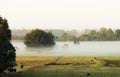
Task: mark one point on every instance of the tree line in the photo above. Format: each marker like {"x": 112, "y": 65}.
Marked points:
{"x": 103, "y": 34}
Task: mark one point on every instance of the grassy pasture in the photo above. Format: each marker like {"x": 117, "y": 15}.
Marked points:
{"x": 70, "y": 66}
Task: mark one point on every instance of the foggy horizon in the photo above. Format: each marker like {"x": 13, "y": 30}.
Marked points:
{"x": 61, "y": 14}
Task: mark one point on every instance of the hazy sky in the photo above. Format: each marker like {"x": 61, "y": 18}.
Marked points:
{"x": 61, "y": 14}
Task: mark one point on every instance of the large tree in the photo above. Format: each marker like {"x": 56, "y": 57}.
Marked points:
{"x": 39, "y": 38}
{"x": 7, "y": 51}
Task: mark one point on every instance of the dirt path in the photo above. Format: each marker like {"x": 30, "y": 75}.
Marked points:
{"x": 53, "y": 62}
{"x": 57, "y": 59}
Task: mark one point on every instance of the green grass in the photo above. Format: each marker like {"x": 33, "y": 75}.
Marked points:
{"x": 55, "y": 66}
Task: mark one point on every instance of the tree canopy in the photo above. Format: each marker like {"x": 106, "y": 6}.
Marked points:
{"x": 7, "y": 51}
{"x": 102, "y": 35}
{"x": 39, "y": 37}
{"x": 117, "y": 33}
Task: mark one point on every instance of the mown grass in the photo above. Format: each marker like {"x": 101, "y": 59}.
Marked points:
{"x": 55, "y": 66}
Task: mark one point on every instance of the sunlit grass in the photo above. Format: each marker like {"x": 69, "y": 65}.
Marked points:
{"x": 70, "y": 66}
{"x": 33, "y": 61}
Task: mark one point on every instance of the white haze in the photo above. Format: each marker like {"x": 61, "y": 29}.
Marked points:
{"x": 61, "y": 14}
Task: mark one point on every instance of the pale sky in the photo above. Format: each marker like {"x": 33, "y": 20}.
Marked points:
{"x": 61, "y": 14}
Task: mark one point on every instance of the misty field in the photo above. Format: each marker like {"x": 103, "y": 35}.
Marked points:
{"x": 60, "y": 66}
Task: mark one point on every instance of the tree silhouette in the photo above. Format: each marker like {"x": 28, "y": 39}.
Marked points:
{"x": 7, "y": 51}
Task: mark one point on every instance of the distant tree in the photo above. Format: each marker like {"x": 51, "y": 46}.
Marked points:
{"x": 7, "y": 51}
{"x": 105, "y": 34}
{"x": 84, "y": 37}
{"x": 117, "y": 33}
{"x": 39, "y": 38}
{"x": 93, "y": 35}
{"x": 67, "y": 37}
{"x": 110, "y": 35}
{"x": 102, "y": 35}
{"x": 76, "y": 40}
{"x": 64, "y": 36}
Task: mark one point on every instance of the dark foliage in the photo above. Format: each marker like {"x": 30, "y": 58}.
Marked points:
{"x": 7, "y": 51}
{"x": 39, "y": 38}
